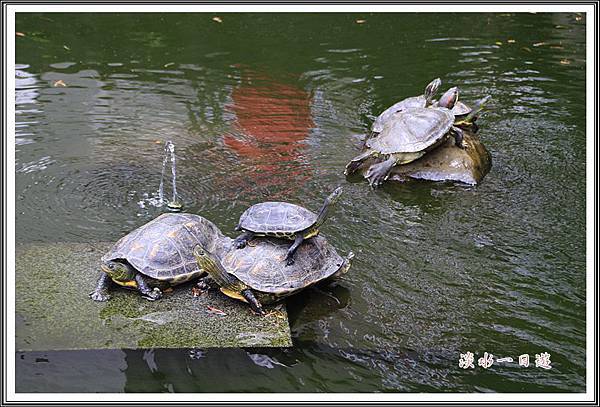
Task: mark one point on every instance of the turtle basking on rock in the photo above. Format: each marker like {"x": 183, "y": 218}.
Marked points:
{"x": 410, "y": 134}
{"x": 158, "y": 255}
{"x": 256, "y": 275}
{"x": 284, "y": 220}
{"x": 423, "y": 100}
{"x": 462, "y": 111}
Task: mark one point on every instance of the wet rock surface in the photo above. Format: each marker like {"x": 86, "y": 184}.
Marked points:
{"x": 54, "y": 312}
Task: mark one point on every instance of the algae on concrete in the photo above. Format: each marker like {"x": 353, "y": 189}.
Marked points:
{"x": 54, "y": 312}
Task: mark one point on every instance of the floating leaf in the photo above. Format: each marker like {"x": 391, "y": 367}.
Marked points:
{"x": 158, "y": 142}
{"x": 67, "y": 48}
{"x": 578, "y": 18}
{"x": 215, "y": 311}
{"x": 539, "y": 44}
{"x": 361, "y": 21}
{"x": 217, "y": 19}
{"x": 511, "y": 41}
{"x": 565, "y": 61}
{"x": 19, "y": 34}
{"x": 168, "y": 64}
{"x": 59, "y": 82}
{"x": 526, "y": 49}
{"x": 498, "y": 43}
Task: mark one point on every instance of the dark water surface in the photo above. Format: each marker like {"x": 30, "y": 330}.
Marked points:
{"x": 271, "y": 107}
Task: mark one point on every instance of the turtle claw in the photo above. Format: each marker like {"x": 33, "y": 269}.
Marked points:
{"x": 99, "y": 296}
{"x": 375, "y": 180}
{"x": 153, "y": 295}
{"x": 240, "y": 244}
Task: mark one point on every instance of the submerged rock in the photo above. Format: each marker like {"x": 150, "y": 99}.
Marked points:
{"x": 445, "y": 163}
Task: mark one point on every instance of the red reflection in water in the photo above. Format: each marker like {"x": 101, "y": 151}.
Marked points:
{"x": 272, "y": 122}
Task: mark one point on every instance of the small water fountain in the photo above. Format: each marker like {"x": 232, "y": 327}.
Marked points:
{"x": 174, "y": 204}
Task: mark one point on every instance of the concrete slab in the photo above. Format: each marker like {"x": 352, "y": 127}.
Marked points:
{"x": 54, "y": 312}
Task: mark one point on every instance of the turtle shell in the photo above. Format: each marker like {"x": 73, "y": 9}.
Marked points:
{"x": 412, "y": 130}
{"x": 261, "y": 265}
{"x": 276, "y": 217}
{"x": 415, "y": 101}
{"x": 460, "y": 109}
{"x": 162, "y": 248}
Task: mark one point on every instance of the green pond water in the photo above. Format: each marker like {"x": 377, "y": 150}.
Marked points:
{"x": 271, "y": 107}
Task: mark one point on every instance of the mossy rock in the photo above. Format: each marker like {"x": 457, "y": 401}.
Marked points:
{"x": 54, "y": 312}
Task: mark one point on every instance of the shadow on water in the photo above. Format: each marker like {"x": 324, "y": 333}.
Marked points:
{"x": 271, "y": 107}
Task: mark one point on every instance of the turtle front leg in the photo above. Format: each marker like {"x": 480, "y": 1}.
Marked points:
{"x": 289, "y": 258}
{"x": 356, "y": 162}
{"x": 378, "y": 173}
{"x": 100, "y": 293}
{"x": 242, "y": 240}
{"x": 255, "y": 305}
{"x": 143, "y": 286}
{"x": 458, "y": 137}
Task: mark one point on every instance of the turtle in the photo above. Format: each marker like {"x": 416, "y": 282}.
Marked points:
{"x": 407, "y": 136}
{"x": 158, "y": 255}
{"x": 423, "y": 100}
{"x": 461, "y": 110}
{"x": 255, "y": 274}
{"x": 283, "y": 220}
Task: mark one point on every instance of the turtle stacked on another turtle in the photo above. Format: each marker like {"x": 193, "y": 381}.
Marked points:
{"x": 284, "y": 220}
{"x": 256, "y": 275}
{"x": 409, "y": 133}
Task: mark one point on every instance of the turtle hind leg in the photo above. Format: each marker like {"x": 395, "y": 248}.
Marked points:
{"x": 356, "y": 162}
{"x": 143, "y": 286}
{"x": 100, "y": 293}
{"x": 255, "y": 305}
{"x": 242, "y": 240}
{"x": 378, "y": 173}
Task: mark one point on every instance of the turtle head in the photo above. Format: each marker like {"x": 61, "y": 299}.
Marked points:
{"x": 431, "y": 89}
{"x": 229, "y": 284}
{"x": 206, "y": 260}
{"x": 330, "y": 201}
{"x": 477, "y": 108}
{"x": 209, "y": 263}
{"x": 334, "y": 196}
{"x": 118, "y": 271}
{"x": 449, "y": 98}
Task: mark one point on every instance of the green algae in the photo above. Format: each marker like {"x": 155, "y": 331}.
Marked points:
{"x": 54, "y": 312}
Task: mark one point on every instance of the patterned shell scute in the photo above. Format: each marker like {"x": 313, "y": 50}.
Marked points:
{"x": 163, "y": 248}
{"x": 412, "y": 130}
{"x": 277, "y": 217}
{"x": 261, "y": 265}
{"x": 415, "y": 101}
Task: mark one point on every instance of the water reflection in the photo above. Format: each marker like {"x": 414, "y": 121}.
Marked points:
{"x": 440, "y": 268}
{"x": 272, "y": 123}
